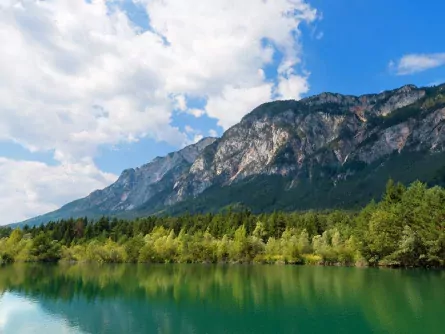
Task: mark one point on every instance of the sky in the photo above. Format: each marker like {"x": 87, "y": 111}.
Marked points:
{"x": 90, "y": 88}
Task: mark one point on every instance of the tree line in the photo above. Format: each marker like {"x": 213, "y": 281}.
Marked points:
{"x": 405, "y": 228}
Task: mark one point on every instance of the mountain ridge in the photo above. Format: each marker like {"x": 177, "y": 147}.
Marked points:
{"x": 307, "y": 148}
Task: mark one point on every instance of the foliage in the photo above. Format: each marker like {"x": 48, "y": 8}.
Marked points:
{"x": 406, "y": 228}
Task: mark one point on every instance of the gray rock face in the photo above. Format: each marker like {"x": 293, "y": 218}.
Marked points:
{"x": 285, "y": 138}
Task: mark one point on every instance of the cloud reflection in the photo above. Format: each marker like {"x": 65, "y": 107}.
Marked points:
{"x": 14, "y": 309}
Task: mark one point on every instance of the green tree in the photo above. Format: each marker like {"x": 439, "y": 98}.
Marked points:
{"x": 45, "y": 250}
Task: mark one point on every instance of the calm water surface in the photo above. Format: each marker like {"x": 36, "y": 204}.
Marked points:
{"x": 219, "y": 299}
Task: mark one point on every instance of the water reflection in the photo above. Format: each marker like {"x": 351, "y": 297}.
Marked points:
{"x": 224, "y": 299}
{"x": 20, "y": 315}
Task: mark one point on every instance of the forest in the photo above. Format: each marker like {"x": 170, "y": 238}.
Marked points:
{"x": 405, "y": 228}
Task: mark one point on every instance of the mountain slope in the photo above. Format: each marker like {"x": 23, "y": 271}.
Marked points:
{"x": 322, "y": 140}
{"x": 324, "y": 151}
{"x": 133, "y": 188}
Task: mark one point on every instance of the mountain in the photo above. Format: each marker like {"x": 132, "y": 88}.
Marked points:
{"x": 324, "y": 151}
{"x": 133, "y": 188}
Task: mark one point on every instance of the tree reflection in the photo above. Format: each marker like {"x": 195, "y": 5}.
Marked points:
{"x": 199, "y": 298}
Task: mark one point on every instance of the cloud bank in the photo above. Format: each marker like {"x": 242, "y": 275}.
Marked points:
{"x": 75, "y": 75}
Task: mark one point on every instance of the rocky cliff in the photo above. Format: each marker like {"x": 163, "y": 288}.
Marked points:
{"x": 323, "y": 151}
{"x": 318, "y": 136}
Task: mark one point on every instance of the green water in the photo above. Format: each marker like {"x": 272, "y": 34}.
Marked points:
{"x": 219, "y": 299}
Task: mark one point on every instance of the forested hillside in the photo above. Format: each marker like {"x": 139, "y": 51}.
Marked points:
{"x": 405, "y": 228}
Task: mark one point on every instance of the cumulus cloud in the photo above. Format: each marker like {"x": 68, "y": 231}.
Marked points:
{"x": 222, "y": 106}
{"x": 224, "y": 61}
{"x": 75, "y": 75}
{"x": 292, "y": 87}
{"x": 415, "y": 63}
{"x": 213, "y": 133}
{"x": 32, "y": 188}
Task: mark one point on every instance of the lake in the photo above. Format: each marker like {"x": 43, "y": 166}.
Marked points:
{"x": 36, "y": 298}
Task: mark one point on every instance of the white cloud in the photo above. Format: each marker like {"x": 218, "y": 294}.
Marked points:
{"x": 233, "y": 103}
{"x": 181, "y": 103}
{"x": 197, "y": 138}
{"x": 195, "y": 134}
{"x": 196, "y": 112}
{"x": 213, "y": 133}
{"x": 415, "y": 63}
{"x": 218, "y": 48}
{"x": 189, "y": 129}
{"x": 77, "y": 75}
{"x": 74, "y": 77}
{"x": 292, "y": 87}
{"x": 31, "y": 188}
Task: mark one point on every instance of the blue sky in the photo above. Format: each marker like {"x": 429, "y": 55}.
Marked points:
{"x": 362, "y": 37}
{"x": 91, "y": 88}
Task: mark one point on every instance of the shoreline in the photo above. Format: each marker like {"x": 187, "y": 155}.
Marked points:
{"x": 224, "y": 263}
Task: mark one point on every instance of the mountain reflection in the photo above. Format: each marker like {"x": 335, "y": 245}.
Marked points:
{"x": 230, "y": 299}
